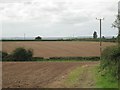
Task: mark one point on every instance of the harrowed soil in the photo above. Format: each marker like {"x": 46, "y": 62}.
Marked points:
{"x": 58, "y": 48}
{"x": 45, "y": 74}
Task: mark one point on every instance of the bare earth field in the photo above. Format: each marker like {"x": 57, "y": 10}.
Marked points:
{"x": 43, "y": 74}
{"x": 58, "y": 48}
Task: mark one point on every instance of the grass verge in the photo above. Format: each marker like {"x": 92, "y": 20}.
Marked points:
{"x": 100, "y": 81}
{"x": 73, "y": 77}
{"x": 105, "y": 81}
{"x": 82, "y": 77}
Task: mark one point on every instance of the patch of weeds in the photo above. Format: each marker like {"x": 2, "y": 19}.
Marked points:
{"x": 105, "y": 80}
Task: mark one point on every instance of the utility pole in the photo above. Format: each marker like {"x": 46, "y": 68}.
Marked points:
{"x": 100, "y": 19}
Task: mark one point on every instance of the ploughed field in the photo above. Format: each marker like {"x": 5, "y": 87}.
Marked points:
{"x": 43, "y": 74}
{"x": 58, "y": 48}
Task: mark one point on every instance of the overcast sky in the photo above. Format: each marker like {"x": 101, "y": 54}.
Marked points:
{"x": 61, "y": 18}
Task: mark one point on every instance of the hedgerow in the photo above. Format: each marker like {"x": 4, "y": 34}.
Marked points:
{"x": 110, "y": 61}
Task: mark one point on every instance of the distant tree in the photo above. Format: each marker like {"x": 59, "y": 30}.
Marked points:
{"x": 38, "y": 38}
{"x": 116, "y": 24}
{"x": 103, "y": 37}
{"x": 95, "y": 35}
{"x": 113, "y": 37}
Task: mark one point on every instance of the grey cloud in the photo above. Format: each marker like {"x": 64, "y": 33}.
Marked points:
{"x": 74, "y": 20}
{"x": 13, "y": 1}
{"x": 57, "y": 17}
{"x": 53, "y": 9}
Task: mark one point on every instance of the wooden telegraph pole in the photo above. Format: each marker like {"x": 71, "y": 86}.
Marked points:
{"x": 100, "y": 19}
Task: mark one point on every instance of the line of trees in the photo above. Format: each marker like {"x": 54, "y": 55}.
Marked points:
{"x": 95, "y": 36}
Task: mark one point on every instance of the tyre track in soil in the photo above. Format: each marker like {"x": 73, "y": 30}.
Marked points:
{"x": 87, "y": 77}
{"x": 37, "y": 74}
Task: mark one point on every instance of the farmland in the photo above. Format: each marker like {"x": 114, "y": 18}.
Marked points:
{"x": 58, "y": 48}
{"x": 71, "y": 74}
{"x": 46, "y": 74}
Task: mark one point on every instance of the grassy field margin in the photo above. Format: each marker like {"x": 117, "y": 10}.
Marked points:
{"x": 82, "y": 77}
{"x": 74, "y": 77}
{"x": 105, "y": 81}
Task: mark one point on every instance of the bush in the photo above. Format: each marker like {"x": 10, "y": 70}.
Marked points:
{"x": 111, "y": 60}
{"x": 21, "y": 54}
{"x": 3, "y": 54}
{"x": 9, "y": 57}
{"x": 0, "y": 55}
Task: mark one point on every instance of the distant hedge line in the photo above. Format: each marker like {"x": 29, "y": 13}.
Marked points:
{"x": 22, "y": 54}
{"x": 57, "y": 58}
{"x": 66, "y": 58}
{"x": 82, "y": 39}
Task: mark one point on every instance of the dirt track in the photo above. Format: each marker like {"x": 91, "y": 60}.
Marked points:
{"x": 58, "y": 48}
{"x": 38, "y": 74}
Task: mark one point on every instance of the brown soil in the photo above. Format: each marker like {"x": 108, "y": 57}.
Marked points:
{"x": 40, "y": 74}
{"x": 58, "y": 48}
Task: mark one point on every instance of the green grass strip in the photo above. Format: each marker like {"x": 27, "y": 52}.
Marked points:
{"x": 105, "y": 81}
{"x": 73, "y": 77}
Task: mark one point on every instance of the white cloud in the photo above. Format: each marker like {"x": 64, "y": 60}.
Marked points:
{"x": 50, "y": 11}
{"x": 53, "y": 13}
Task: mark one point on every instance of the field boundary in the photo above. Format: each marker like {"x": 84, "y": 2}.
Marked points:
{"x": 61, "y": 59}
{"x": 68, "y": 58}
{"x": 82, "y": 39}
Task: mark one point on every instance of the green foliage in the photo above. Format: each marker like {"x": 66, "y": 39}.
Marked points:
{"x": 21, "y": 54}
{"x": 76, "y": 58}
{"x": 3, "y": 54}
{"x": 105, "y": 81}
{"x": 116, "y": 24}
{"x": 110, "y": 60}
{"x": 95, "y": 35}
{"x": 0, "y": 55}
{"x": 73, "y": 77}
